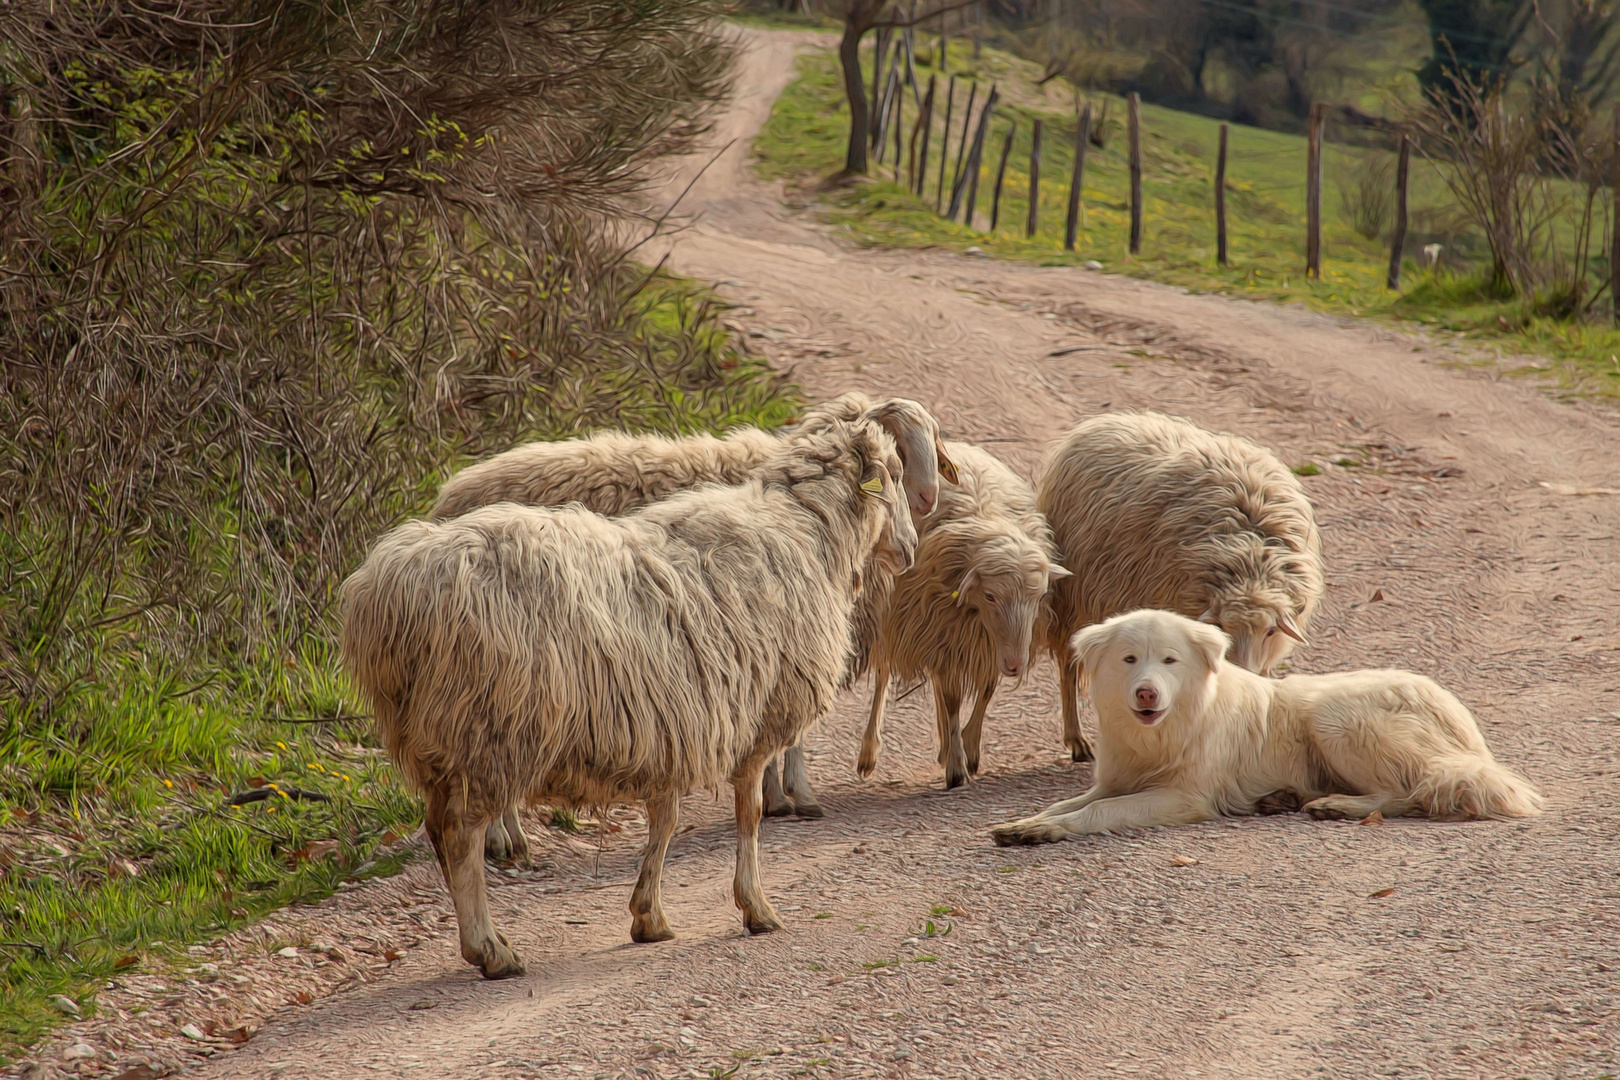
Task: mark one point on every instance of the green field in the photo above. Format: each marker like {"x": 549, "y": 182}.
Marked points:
{"x": 804, "y": 140}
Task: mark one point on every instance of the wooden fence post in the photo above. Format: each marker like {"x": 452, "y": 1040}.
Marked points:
{"x": 880, "y": 46}
{"x": 1082, "y": 136}
{"x": 1313, "y": 193}
{"x": 1614, "y": 227}
{"x": 945, "y": 143}
{"x": 1133, "y": 128}
{"x": 1001, "y": 174}
{"x": 899, "y": 129}
{"x": 969, "y": 178}
{"x": 1034, "y": 182}
{"x": 1220, "y": 201}
{"x": 944, "y": 42}
{"x": 961, "y": 145}
{"x": 925, "y": 124}
{"x": 1397, "y": 242}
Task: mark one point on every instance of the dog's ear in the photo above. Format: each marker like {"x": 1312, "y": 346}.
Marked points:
{"x": 1085, "y": 645}
{"x": 1210, "y": 641}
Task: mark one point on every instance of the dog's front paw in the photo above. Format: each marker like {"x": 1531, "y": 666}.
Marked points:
{"x": 1279, "y": 802}
{"x": 1328, "y": 809}
{"x": 1026, "y": 833}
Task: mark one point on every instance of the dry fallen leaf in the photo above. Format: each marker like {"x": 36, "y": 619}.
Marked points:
{"x": 303, "y": 997}
{"x": 1374, "y": 818}
{"x": 1381, "y": 893}
{"x": 1183, "y": 860}
{"x": 1378, "y": 594}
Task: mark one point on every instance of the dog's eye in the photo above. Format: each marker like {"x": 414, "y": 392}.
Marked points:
{"x": 1130, "y": 659}
{"x": 1270, "y": 632}
{"x": 989, "y": 598}
{"x": 1169, "y": 659}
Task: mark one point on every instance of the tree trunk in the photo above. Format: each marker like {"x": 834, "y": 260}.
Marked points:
{"x": 849, "y": 55}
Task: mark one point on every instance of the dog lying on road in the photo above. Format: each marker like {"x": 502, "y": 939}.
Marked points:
{"x": 1185, "y": 737}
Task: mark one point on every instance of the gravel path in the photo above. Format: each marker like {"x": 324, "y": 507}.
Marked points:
{"x": 1290, "y": 948}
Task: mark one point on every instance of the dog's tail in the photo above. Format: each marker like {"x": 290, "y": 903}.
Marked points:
{"x": 1472, "y": 785}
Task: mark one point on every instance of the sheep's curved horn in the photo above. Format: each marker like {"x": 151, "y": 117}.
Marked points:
{"x": 947, "y": 467}
{"x": 1285, "y": 623}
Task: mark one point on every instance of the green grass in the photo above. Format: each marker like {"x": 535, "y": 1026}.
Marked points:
{"x": 118, "y": 848}
{"x": 803, "y": 143}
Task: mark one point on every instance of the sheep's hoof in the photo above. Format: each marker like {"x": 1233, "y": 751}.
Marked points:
{"x": 497, "y": 845}
{"x": 761, "y": 922}
{"x": 809, "y": 810}
{"x": 1081, "y": 751}
{"x": 779, "y": 809}
{"x": 651, "y": 930}
{"x": 1025, "y": 834}
{"x": 955, "y": 778}
{"x": 499, "y": 961}
{"x": 866, "y": 766}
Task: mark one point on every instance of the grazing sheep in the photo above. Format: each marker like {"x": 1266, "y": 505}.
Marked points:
{"x": 613, "y": 473}
{"x": 964, "y": 615}
{"x": 1149, "y": 511}
{"x": 1185, "y": 736}
{"x": 518, "y": 651}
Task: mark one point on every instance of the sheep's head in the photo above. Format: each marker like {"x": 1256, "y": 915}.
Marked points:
{"x": 1262, "y": 623}
{"x": 1006, "y": 579}
{"x": 881, "y": 473}
{"x": 922, "y": 451}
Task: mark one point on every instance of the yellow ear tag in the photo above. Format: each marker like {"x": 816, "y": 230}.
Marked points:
{"x": 873, "y": 486}
{"x": 955, "y": 593}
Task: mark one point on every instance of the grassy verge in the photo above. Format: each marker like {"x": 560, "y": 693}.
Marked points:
{"x": 804, "y": 142}
{"x": 119, "y": 840}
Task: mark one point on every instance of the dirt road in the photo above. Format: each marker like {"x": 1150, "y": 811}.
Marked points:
{"x": 1496, "y": 954}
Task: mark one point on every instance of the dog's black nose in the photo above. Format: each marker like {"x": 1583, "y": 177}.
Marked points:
{"x": 1147, "y": 697}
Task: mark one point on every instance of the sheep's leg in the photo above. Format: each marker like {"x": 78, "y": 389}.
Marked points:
{"x": 1069, "y": 691}
{"x": 975, "y": 727}
{"x": 796, "y": 782}
{"x": 872, "y": 741}
{"x": 504, "y": 839}
{"x": 757, "y": 913}
{"x": 777, "y": 803}
{"x": 646, "y": 903}
{"x": 460, "y": 847}
{"x": 947, "y": 705}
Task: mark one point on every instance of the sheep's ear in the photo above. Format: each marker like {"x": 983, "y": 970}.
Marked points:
{"x": 947, "y": 467}
{"x": 1208, "y": 616}
{"x": 872, "y": 478}
{"x": 1054, "y": 571}
{"x": 1285, "y": 623}
{"x": 967, "y": 583}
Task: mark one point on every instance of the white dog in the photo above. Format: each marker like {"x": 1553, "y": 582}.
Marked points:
{"x": 1186, "y": 736}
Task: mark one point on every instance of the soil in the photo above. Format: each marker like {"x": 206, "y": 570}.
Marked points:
{"x": 1264, "y": 947}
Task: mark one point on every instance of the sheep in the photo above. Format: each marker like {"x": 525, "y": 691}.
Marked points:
{"x": 1149, "y": 511}
{"x": 613, "y": 473}
{"x": 965, "y": 614}
{"x": 522, "y": 651}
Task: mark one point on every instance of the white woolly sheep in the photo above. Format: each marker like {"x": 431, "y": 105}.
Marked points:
{"x": 613, "y": 473}
{"x": 518, "y": 651}
{"x": 964, "y": 615}
{"x": 1150, "y": 511}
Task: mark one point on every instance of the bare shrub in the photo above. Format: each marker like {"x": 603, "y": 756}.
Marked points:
{"x": 1492, "y": 158}
{"x": 268, "y": 268}
{"x": 1367, "y": 195}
